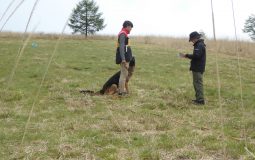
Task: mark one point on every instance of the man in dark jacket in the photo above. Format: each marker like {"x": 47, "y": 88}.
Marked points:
{"x": 123, "y": 55}
{"x": 197, "y": 65}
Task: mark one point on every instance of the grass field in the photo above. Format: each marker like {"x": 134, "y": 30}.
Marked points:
{"x": 156, "y": 121}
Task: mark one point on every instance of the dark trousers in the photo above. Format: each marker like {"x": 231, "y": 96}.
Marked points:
{"x": 198, "y": 85}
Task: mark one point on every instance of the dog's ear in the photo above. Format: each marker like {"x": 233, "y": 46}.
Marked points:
{"x": 132, "y": 62}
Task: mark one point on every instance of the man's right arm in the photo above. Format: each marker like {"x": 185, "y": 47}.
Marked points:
{"x": 122, "y": 46}
{"x": 197, "y": 53}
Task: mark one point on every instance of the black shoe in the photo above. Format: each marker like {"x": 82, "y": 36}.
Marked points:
{"x": 199, "y": 102}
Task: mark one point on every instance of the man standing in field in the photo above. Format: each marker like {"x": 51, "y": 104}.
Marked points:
{"x": 123, "y": 55}
{"x": 197, "y": 65}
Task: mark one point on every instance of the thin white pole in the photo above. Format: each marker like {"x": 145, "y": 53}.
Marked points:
{"x": 214, "y": 35}
{"x": 17, "y": 7}
{"x": 219, "y": 85}
{"x": 6, "y": 10}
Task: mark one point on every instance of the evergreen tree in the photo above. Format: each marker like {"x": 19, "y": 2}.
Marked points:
{"x": 86, "y": 19}
{"x": 249, "y": 27}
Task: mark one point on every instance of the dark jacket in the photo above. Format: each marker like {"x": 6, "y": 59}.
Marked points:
{"x": 198, "y": 58}
{"x": 123, "y": 51}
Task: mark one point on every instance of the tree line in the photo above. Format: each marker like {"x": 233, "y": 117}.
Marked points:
{"x": 87, "y": 20}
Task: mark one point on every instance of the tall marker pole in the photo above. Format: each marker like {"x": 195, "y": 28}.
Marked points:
{"x": 214, "y": 35}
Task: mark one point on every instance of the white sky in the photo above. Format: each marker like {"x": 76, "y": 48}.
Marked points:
{"x": 150, "y": 17}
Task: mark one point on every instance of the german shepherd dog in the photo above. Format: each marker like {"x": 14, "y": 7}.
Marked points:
{"x": 111, "y": 85}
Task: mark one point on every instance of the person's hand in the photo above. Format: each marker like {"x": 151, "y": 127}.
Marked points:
{"x": 123, "y": 62}
{"x": 182, "y": 55}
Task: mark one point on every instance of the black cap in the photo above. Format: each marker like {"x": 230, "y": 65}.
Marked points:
{"x": 127, "y": 23}
{"x": 132, "y": 62}
{"x": 194, "y": 35}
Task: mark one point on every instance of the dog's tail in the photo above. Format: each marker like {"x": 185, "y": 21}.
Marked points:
{"x": 87, "y": 92}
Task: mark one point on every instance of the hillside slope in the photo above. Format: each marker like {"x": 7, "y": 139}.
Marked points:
{"x": 156, "y": 121}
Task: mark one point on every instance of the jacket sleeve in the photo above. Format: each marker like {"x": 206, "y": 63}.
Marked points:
{"x": 197, "y": 53}
{"x": 122, "y": 39}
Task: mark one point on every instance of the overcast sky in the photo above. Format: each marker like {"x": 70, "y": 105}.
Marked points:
{"x": 150, "y": 17}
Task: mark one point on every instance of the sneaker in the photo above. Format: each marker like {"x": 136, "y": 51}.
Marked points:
{"x": 123, "y": 94}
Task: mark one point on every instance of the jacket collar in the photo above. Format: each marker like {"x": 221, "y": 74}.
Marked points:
{"x": 125, "y": 31}
{"x": 198, "y": 41}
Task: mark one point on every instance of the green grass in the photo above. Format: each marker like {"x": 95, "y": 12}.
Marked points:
{"x": 157, "y": 120}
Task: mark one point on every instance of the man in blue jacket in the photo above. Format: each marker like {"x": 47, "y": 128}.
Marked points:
{"x": 197, "y": 65}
